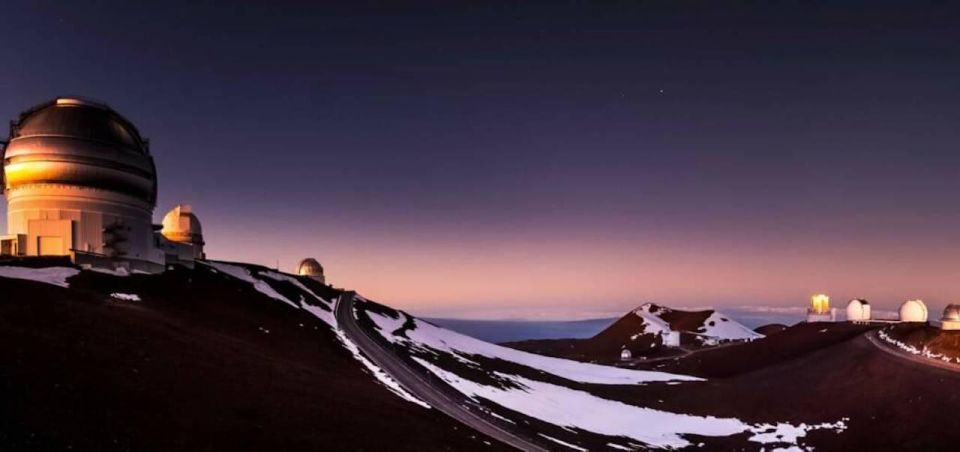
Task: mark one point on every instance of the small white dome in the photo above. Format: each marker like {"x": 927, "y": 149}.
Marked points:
{"x": 913, "y": 311}
{"x": 181, "y": 225}
{"x": 858, "y": 310}
{"x": 625, "y": 354}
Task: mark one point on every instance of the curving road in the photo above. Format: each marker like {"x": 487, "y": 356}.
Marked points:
{"x": 444, "y": 399}
{"x": 873, "y": 338}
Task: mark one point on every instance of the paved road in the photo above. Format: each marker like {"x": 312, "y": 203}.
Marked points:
{"x": 873, "y": 338}
{"x": 686, "y": 353}
{"x": 443, "y": 399}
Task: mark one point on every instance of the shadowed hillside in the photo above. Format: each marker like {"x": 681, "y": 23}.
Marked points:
{"x": 192, "y": 360}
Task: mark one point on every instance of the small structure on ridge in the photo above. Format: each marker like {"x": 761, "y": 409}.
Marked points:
{"x": 913, "y": 311}
{"x": 312, "y": 269}
{"x": 858, "y": 311}
{"x": 819, "y": 310}
{"x": 951, "y": 318}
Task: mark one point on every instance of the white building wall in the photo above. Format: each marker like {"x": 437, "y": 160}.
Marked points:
{"x": 39, "y": 209}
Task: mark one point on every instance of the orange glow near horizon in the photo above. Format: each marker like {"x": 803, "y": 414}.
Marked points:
{"x": 551, "y": 275}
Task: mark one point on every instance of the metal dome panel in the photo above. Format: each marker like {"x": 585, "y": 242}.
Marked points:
{"x": 79, "y": 143}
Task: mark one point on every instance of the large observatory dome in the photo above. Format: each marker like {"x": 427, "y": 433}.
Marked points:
{"x": 79, "y": 181}
{"x": 913, "y": 311}
{"x": 76, "y": 142}
{"x": 858, "y": 310}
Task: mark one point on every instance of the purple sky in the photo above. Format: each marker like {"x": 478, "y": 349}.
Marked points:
{"x": 527, "y": 161}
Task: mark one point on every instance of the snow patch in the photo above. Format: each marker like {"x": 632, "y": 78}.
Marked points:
{"x": 56, "y": 276}
{"x": 290, "y": 279}
{"x": 324, "y": 315}
{"x": 722, "y": 328}
{"x": 786, "y": 433}
{"x": 651, "y": 323}
{"x": 125, "y": 296}
{"x": 925, "y": 352}
{"x": 573, "y": 408}
{"x": 243, "y": 274}
{"x": 427, "y": 336}
{"x": 500, "y": 417}
{"x": 120, "y": 271}
{"x": 563, "y": 443}
{"x": 377, "y": 372}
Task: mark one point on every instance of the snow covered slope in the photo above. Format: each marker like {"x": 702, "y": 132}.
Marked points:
{"x": 563, "y": 400}
{"x": 649, "y": 331}
{"x": 709, "y": 325}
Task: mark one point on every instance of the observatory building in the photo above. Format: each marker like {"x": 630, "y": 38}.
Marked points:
{"x": 913, "y": 311}
{"x": 819, "y": 310}
{"x": 951, "y": 318}
{"x": 184, "y": 236}
{"x": 312, "y": 269}
{"x": 858, "y": 311}
{"x": 80, "y": 181}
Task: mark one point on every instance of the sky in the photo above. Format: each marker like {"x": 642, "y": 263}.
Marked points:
{"x": 538, "y": 160}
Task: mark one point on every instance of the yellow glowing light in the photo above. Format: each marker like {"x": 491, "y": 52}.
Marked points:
{"x": 820, "y": 304}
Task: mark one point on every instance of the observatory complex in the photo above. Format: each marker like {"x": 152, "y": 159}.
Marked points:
{"x": 80, "y": 182}
{"x": 859, "y": 311}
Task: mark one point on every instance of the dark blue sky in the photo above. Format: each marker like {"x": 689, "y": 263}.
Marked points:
{"x": 756, "y": 133}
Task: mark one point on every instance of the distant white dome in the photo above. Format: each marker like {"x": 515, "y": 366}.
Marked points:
{"x": 625, "y": 354}
{"x": 858, "y": 310}
{"x": 913, "y": 311}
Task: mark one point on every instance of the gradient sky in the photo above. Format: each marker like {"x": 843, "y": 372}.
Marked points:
{"x": 539, "y": 161}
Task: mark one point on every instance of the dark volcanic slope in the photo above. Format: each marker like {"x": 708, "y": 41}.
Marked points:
{"x": 603, "y": 347}
{"x": 636, "y": 331}
{"x": 203, "y": 362}
{"x": 772, "y": 328}
{"x": 892, "y": 404}
{"x": 796, "y": 341}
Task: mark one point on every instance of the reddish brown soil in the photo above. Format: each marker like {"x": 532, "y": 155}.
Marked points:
{"x": 191, "y": 367}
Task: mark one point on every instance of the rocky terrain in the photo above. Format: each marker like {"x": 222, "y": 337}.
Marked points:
{"x": 240, "y": 357}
